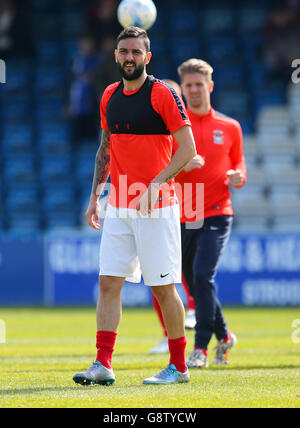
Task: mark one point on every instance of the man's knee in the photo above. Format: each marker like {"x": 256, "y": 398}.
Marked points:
{"x": 163, "y": 292}
{"x": 110, "y": 285}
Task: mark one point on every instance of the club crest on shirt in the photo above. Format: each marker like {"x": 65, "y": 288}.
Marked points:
{"x": 218, "y": 137}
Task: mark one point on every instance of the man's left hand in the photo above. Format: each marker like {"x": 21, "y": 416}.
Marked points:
{"x": 148, "y": 200}
{"x": 236, "y": 177}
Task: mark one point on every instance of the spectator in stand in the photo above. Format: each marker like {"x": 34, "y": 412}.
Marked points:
{"x": 13, "y": 27}
{"x": 102, "y": 22}
{"x": 82, "y": 96}
{"x": 107, "y": 71}
{"x": 282, "y": 40}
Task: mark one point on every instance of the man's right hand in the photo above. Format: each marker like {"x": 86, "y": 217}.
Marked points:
{"x": 92, "y": 214}
{"x": 197, "y": 162}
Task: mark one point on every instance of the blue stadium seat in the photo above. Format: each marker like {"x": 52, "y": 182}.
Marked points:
{"x": 48, "y": 51}
{"x": 184, "y": 22}
{"x": 158, "y": 47}
{"x": 183, "y": 48}
{"x": 268, "y": 97}
{"x": 24, "y": 224}
{"x": 57, "y": 168}
{"x": 73, "y": 23}
{"x": 18, "y": 77}
{"x": 218, "y": 20}
{"x": 59, "y": 199}
{"x": 70, "y": 50}
{"x": 233, "y": 103}
{"x": 85, "y": 171}
{"x": 251, "y": 47}
{"x": 61, "y": 220}
{"x": 223, "y": 49}
{"x": 19, "y": 169}
{"x": 49, "y": 78}
{"x": 54, "y": 138}
{"x": 48, "y": 108}
{"x": 257, "y": 75}
{"x": 251, "y": 19}
{"x": 22, "y": 200}
{"x": 229, "y": 76}
{"x": 17, "y": 138}
{"x": 45, "y": 5}
{"x": 45, "y": 24}
{"x": 15, "y": 108}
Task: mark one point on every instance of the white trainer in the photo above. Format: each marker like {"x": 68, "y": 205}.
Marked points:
{"x": 161, "y": 348}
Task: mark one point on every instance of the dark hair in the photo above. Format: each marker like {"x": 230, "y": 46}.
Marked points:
{"x": 135, "y": 33}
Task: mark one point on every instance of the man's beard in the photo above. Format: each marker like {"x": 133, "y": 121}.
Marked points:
{"x": 137, "y": 72}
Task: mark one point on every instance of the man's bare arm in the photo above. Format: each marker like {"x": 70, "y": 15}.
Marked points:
{"x": 181, "y": 157}
{"x": 101, "y": 173}
{"x": 102, "y": 165}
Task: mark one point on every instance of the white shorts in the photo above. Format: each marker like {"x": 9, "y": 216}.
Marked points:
{"x": 132, "y": 245}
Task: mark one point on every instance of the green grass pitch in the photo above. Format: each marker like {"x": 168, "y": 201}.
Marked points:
{"x": 45, "y": 347}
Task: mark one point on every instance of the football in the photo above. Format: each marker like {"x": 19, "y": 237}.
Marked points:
{"x": 139, "y": 13}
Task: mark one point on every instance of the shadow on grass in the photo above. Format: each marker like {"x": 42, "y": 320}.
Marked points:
{"x": 38, "y": 389}
{"x": 237, "y": 368}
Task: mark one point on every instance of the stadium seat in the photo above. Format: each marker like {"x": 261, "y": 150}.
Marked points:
{"x": 283, "y": 204}
{"x": 61, "y": 220}
{"x": 223, "y": 49}
{"x": 19, "y": 169}
{"x": 251, "y": 18}
{"x": 184, "y": 22}
{"x": 48, "y": 108}
{"x": 183, "y": 48}
{"x": 233, "y": 102}
{"x": 48, "y": 51}
{"x": 17, "y": 138}
{"x": 286, "y": 223}
{"x": 54, "y": 138}
{"x": 269, "y": 145}
{"x": 251, "y": 48}
{"x": 24, "y": 224}
{"x": 85, "y": 171}
{"x": 59, "y": 199}
{"x": 268, "y": 97}
{"x": 16, "y": 108}
{"x": 251, "y": 223}
{"x": 45, "y": 24}
{"x": 18, "y": 78}
{"x": 273, "y": 163}
{"x": 229, "y": 76}
{"x": 73, "y": 23}
{"x": 56, "y": 168}
{"x": 218, "y": 20}
{"x": 45, "y": 5}
{"x": 22, "y": 200}
{"x": 49, "y": 78}
{"x": 70, "y": 50}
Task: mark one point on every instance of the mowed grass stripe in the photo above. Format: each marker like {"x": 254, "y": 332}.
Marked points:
{"x": 45, "y": 347}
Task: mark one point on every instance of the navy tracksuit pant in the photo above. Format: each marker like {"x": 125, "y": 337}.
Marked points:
{"x": 201, "y": 253}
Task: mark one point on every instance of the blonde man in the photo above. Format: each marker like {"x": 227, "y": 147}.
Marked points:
{"x": 219, "y": 141}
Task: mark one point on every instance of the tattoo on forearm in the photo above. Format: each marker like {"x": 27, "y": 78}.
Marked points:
{"x": 175, "y": 173}
{"x": 102, "y": 162}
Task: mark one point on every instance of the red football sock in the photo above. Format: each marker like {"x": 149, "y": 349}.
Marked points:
{"x": 159, "y": 313}
{"x": 105, "y": 347}
{"x": 190, "y": 298}
{"x": 177, "y": 353}
{"x": 205, "y": 352}
{"x": 228, "y": 337}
